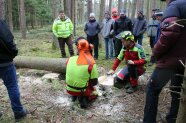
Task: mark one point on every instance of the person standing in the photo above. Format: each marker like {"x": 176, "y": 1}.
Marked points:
{"x": 152, "y": 28}
{"x": 168, "y": 51}
{"x": 153, "y": 31}
{"x": 8, "y": 51}
{"x": 107, "y": 31}
{"x": 123, "y": 23}
{"x": 92, "y": 29}
{"x": 115, "y": 16}
{"x": 63, "y": 30}
{"x": 139, "y": 27}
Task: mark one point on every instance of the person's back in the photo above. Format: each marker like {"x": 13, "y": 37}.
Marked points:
{"x": 168, "y": 53}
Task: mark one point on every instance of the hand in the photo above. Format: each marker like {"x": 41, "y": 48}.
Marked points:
{"x": 110, "y": 72}
{"x": 130, "y": 62}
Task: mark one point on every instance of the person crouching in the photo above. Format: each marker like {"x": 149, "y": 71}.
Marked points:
{"x": 134, "y": 56}
{"x": 81, "y": 74}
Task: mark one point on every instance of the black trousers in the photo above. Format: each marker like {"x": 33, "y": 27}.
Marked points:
{"x": 95, "y": 41}
{"x": 158, "y": 80}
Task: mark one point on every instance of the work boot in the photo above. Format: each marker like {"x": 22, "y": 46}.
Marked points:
{"x": 20, "y": 115}
{"x": 74, "y": 98}
{"x": 131, "y": 90}
{"x": 127, "y": 85}
{"x": 1, "y": 114}
{"x": 83, "y": 101}
{"x": 118, "y": 83}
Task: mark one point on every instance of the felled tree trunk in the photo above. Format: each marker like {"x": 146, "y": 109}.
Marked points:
{"x": 49, "y": 64}
{"x": 181, "y": 118}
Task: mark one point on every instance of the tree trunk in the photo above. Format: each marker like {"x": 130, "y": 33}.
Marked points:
{"x": 133, "y": 9}
{"x": 102, "y": 10}
{"x": 73, "y": 14}
{"x": 49, "y": 64}
{"x": 2, "y": 9}
{"x": 110, "y": 5}
{"x": 10, "y": 22}
{"x": 181, "y": 118}
{"x": 125, "y": 4}
{"x": 22, "y": 19}
{"x": 119, "y": 5}
{"x": 89, "y": 7}
{"x": 67, "y": 8}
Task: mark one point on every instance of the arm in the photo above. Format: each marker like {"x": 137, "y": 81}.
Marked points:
{"x": 6, "y": 39}
{"x": 142, "y": 56}
{"x": 144, "y": 28}
{"x": 86, "y": 28}
{"x": 94, "y": 75}
{"x": 118, "y": 60}
{"x": 54, "y": 29}
{"x": 168, "y": 37}
{"x": 130, "y": 26}
{"x": 98, "y": 28}
{"x": 71, "y": 27}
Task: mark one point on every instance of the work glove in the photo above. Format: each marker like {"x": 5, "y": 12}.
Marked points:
{"x": 110, "y": 72}
{"x": 130, "y": 62}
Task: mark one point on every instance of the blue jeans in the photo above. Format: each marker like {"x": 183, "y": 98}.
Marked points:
{"x": 9, "y": 77}
{"x": 109, "y": 47}
{"x": 158, "y": 80}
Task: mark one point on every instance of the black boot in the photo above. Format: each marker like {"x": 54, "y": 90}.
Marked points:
{"x": 1, "y": 114}
{"x": 83, "y": 101}
{"x": 118, "y": 83}
{"x": 74, "y": 98}
{"x": 20, "y": 115}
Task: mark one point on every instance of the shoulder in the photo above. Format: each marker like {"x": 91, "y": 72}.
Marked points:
{"x": 138, "y": 46}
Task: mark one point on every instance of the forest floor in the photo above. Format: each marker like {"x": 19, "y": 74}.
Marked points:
{"x": 44, "y": 96}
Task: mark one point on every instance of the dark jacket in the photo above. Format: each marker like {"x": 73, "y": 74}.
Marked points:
{"x": 92, "y": 28}
{"x": 122, "y": 24}
{"x": 139, "y": 27}
{"x": 170, "y": 47}
{"x": 8, "y": 48}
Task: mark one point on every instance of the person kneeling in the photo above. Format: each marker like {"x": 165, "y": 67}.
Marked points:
{"x": 134, "y": 56}
{"x": 81, "y": 74}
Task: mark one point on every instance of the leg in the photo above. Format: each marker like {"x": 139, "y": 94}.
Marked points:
{"x": 172, "y": 115}
{"x": 70, "y": 47}
{"x": 10, "y": 81}
{"x": 110, "y": 47}
{"x": 118, "y": 46}
{"x": 114, "y": 47}
{"x": 140, "y": 39}
{"x": 158, "y": 80}
{"x": 120, "y": 79}
{"x": 96, "y": 43}
{"x": 62, "y": 46}
{"x": 106, "y": 47}
{"x": 152, "y": 42}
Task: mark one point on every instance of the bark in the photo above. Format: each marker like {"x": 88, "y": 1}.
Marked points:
{"x": 2, "y": 9}
{"x": 10, "y": 22}
{"x": 22, "y": 19}
{"x": 67, "y": 7}
{"x": 73, "y": 14}
{"x": 119, "y": 5}
{"x": 110, "y": 5}
{"x": 49, "y": 64}
{"x": 102, "y": 10}
{"x": 133, "y": 9}
{"x": 181, "y": 118}
{"x": 89, "y": 7}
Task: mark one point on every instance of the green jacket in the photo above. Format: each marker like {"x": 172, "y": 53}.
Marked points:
{"x": 61, "y": 28}
{"x": 78, "y": 75}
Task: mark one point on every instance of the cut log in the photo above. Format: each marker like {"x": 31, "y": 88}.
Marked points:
{"x": 57, "y": 65}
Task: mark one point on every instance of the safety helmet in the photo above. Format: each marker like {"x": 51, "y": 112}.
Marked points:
{"x": 125, "y": 35}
